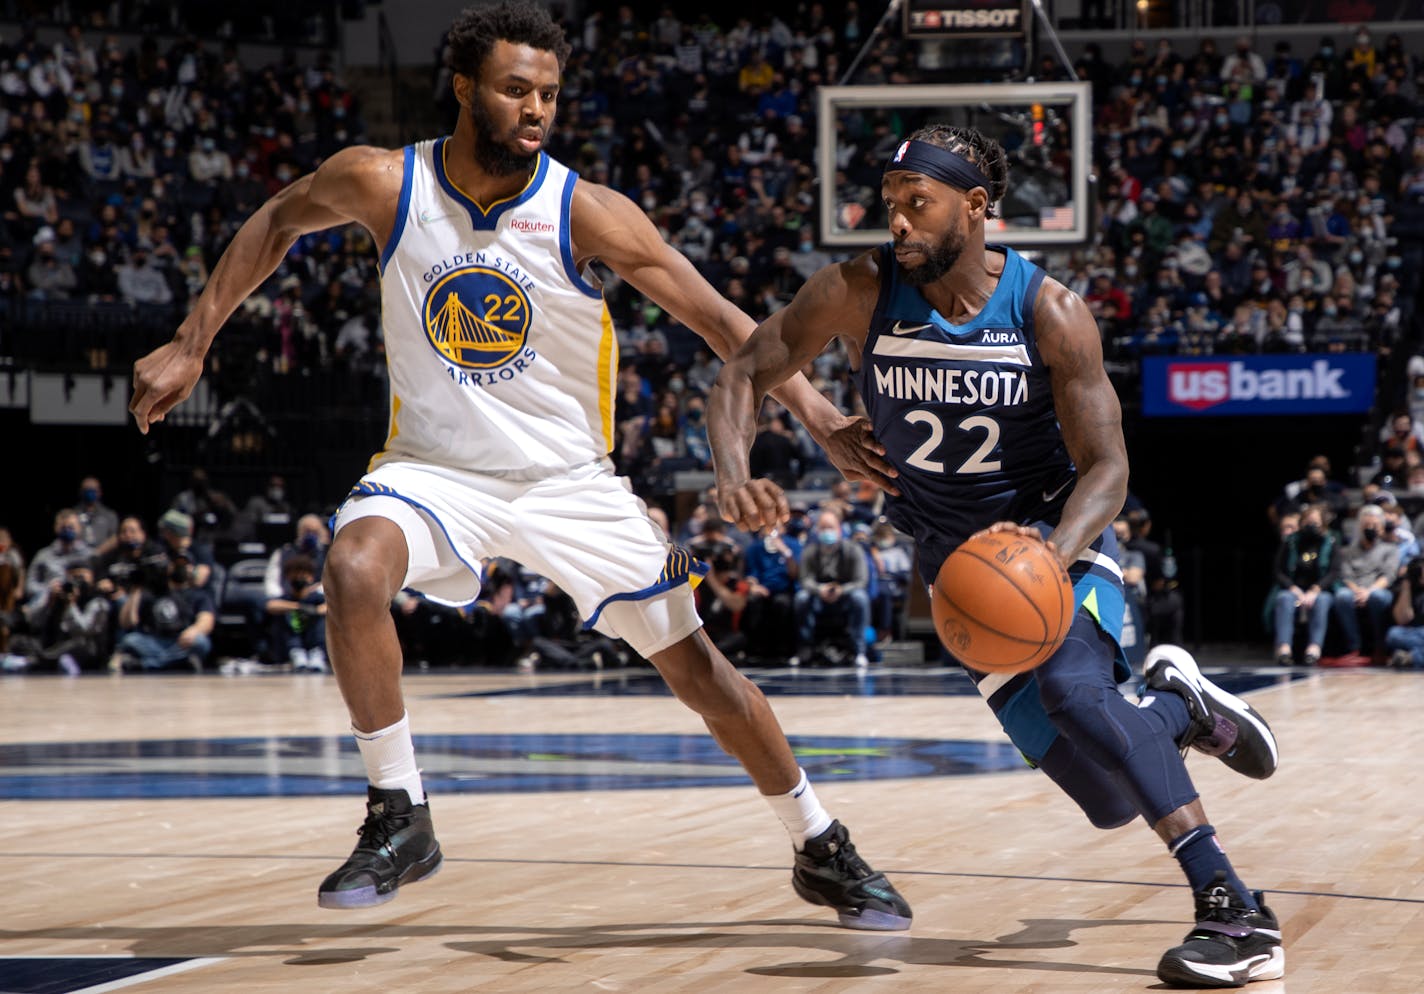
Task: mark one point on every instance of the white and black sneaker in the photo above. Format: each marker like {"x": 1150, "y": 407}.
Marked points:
{"x": 1223, "y": 725}
{"x": 1230, "y": 946}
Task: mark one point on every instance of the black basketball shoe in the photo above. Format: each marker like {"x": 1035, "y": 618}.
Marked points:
{"x": 397, "y": 847}
{"x": 1230, "y": 946}
{"x": 1223, "y": 725}
{"x": 831, "y": 873}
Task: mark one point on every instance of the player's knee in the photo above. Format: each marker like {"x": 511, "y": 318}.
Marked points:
{"x": 356, "y": 577}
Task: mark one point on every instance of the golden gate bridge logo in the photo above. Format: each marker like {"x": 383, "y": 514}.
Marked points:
{"x": 477, "y": 317}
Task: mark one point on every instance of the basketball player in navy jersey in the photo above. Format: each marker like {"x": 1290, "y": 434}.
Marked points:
{"x": 983, "y": 379}
{"x": 503, "y": 364}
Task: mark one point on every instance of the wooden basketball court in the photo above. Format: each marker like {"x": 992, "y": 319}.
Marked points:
{"x": 563, "y": 872}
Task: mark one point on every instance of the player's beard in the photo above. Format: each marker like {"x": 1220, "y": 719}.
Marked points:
{"x": 492, "y": 153}
{"x": 938, "y": 259}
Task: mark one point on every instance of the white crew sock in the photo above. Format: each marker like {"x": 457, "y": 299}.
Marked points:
{"x": 800, "y": 812}
{"x": 389, "y": 756}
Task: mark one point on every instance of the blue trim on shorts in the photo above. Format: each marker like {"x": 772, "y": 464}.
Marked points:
{"x": 402, "y": 208}
{"x": 366, "y": 488}
{"x": 680, "y": 568}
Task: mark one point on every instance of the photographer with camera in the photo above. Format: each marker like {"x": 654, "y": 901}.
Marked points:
{"x": 134, "y": 561}
{"x": 1405, "y": 637}
{"x": 722, "y": 596}
{"x": 74, "y": 631}
{"x": 299, "y": 617}
{"x": 167, "y": 628}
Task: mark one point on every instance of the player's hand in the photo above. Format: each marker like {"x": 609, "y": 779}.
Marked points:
{"x": 754, "y": 505}
{"x": 1014, "y": 528}
{"x": 853, "y": 449}
{"x": 162, "y": 380}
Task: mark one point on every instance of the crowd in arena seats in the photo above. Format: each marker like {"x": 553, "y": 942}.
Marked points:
{"x": 1348, "y": 571}
{"x": 1249, "y": 201}
{"x": 238, "y": 589}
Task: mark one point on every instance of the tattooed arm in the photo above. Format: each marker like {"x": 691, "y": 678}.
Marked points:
{"x": 1089, "y": 414}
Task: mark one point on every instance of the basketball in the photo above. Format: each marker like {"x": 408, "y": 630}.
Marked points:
{"x": 1002, "y": 603}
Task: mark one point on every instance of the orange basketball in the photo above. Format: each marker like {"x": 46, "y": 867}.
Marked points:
{"x": 1002, "y": 603}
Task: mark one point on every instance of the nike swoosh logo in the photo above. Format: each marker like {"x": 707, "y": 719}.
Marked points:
{"x": 901, "y": 328}
{"x": 1050, "y": 496}
{"x": 427, "y": 218}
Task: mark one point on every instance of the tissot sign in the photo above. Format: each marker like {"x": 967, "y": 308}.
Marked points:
{"x": 981, "y": 18}
{"x": 1268, "y": 384}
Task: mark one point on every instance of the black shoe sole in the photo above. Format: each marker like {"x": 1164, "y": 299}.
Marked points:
{"x": 865, "y": 920}
{"x": 368, "y": 897}
{"x": 1178, "y": 973}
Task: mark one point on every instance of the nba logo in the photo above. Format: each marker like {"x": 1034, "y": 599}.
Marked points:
{"x": 900, "y": 152}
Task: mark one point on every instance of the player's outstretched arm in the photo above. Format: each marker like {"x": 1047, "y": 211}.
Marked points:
{"x": 1090, "y": 416}
{"x": 837, "y": 300}
{"x": 607, "y": 225}
{"x": 356, "y": 184}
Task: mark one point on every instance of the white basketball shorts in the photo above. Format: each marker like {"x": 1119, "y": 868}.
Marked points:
{"x": 585, "y": 530}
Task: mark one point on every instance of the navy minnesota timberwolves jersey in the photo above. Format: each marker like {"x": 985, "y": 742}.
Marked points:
{"x": 965, "y": 412}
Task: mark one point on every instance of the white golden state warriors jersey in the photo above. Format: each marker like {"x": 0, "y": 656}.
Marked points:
{"x": 502, "y": 356}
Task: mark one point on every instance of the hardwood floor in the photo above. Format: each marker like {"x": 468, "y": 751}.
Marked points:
{"x": 566, "y": 871}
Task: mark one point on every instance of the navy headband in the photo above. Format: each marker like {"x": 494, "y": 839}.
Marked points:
{"x": 937, "y": 163}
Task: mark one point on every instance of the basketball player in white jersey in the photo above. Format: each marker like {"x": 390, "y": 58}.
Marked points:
{"x": 503, "y": 364}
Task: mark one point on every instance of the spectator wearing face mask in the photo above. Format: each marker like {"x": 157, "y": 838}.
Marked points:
{"x": 270, "y": 507}
{"x": 1403, "y": 432}
{"x": 298, "y": 626}
{"x": 209, "y": 165}
{"x": 834, "y": 576}
{"x": 312, "y": 540}
{"x": 1307, "y": 570}
{"x": 165, "y": 629}
{"x": 98, "y": 523}
{"x": 1368, "y": 567}
{"x": 140, "y": 281}
{"x": 51, "y": 564}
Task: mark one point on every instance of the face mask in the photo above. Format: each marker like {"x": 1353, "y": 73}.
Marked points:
{"x": 1369, "y": 534}
{"x": 1310, "y": 531}
{"x": 1362, "y": 40}
{"x": 1222, "y": 120}
{"x": 242, "y": 171}
{"x": 67, "y": 534}
{"x": 180, "y": 574}
{"x": 1189, "y": 122}
{"x": 828, "y": 536}
{"x": 1357, "y": 257}
{"x": 310, "y": 543}
{"x": 1327, "y": 51}
{"x": 97, "y": 258}
{"x": 676, "y": 385}
{"x": 650, "y": 203}
{"x": 884, "y": 543}
{"x": 89, "y": 495}
{"x": 1329, "y": 310}
{"x": 1419, "y": 393}
{"x": 1129, "y": 271}
{"x": 275, "y": 495}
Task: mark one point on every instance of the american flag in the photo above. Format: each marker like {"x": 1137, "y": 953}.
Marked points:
{"x": 1056, "y": 218}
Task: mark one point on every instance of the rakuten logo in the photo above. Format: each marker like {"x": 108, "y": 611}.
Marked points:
{"x": 1205, "y": 384}
{"x": 525, "y": 225}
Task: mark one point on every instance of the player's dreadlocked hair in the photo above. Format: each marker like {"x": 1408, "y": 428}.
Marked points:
{"x": 979, "y": 149}
{"x": 476, "y": 29}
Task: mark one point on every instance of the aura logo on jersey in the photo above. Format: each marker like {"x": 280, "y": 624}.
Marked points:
{"x": 477, "y": 317}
